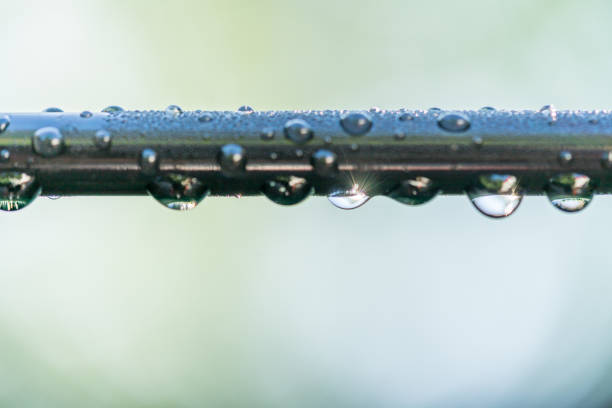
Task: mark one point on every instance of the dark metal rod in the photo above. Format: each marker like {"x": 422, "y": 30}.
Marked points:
{"x": 120, "y": 152}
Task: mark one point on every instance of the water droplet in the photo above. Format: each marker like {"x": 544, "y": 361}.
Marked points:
{"x": 565, "y": 157}
{"x": 245, "y": 109}
{"x": 550, "y": 111}
{"x": 349, "y": 199}
{"x": 267, "y": 134}
{"x": 399, "y": 135}
{"x": 477, "y": 141}
{"x": 298, "y": 131}
{"x": 177, "y": 191}
{"x": 416, "y": 191}
{"x": 570, "y": 192}
{"x": 17, "y": 190}
{"x": 205, "y": 118}
{"x": 405, "y": 117}
{"x": 299, "y": 153}
{"x": 454, "y": 122}
{"x": 356, "y": 123}
{"x": 112, "y": 109}
{"x": 48, "y": 142}
{"x": 287, "y": 190}
{"x": 149, "y": 161}
{"x": 593, "y": 120}
{"x": 354, "y": 147}
{"x": 606, "y": 159}
{"x": 375, "y": 109}
{"x": 5, "y": 121}
{"x": 173, "y": 110}
{"x": 86, "y": 114}
{"x": 53, "y": 110}
{"x": 5, "y": 155}
{"x": 103, "y": 139}
{"x": 273, "y": 156}
{"x": 496, "y": 195}
{"x": 487, "y": 109}
{"x": 232, "y": 159}
{"x": 325, "y": 163}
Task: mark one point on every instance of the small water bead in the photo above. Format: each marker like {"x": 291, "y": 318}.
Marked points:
{"x": 149, "y": 162}
{"x": 103, "y": 139}
{"x": 205, "y": 118}
{"x": 5, "y": 155}
{"x": 5, "y": 121}
{"x": 477, "y": 141}
{"x": 550, "y": 111}
{"x": 415, "y": 191}
{"x": 273, "y": 156}
{"x": 349, "y": 199}
{"x": 325, "y": 163}
{"x": 487, "y": 109}
{"x": 178, "y": 191}
{"x": 399, "y": 135}
{"x": 245, "y": 109}
{"x": 287, "y": 190}
{"x": 496, "y": 195}
{"x": 454, "y": 122}
{"x": 173, "y": 110}
{"x": 570, "y": 192}
{"x": 299, "y": 153}
{"x": 48, "y": 142}
{"x": 354, "y": 147}
{"x": 232, "y": 159}
{"x": 375, "y": 109}
{"x": 112, "y": 109}
{"x": 86, "y": 114}
{"x": 565, "y": 157}
{"x": 606, "y": 159}
{"x": 267, "y": 134}
{"x": 356, "y": 123}
{"x": 53, "y": 110}
{"x": 17, "y": 190}
{"x": 298, "y": 130}
{"x": 405, "y": 117}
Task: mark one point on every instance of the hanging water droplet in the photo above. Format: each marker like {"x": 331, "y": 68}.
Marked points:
{"x": 173, "y": 110}
{"x": 5, "y": 121}
{"x": 287, "y": 190}
{"x": 17, "y": 190}
{"x": 298, "y": 131}
{"x": 565, "y": 157}
{"x": 53, "y": 110}
{"x": 356, "y": 123}
{"x": 454, "y": 122}
{"x": 112, "y": 109}
{"x": 149, "y": 162}
{"x": 54, "y": 197}
{"x": 5, "y": 155}
{"x": 205, "y": 118}
{"x": 177, "y": 191}
{"x": 349, "y": 199}
{"x": 86, "y": 114}
{"x": 246, "y": 109}
{"x": 267, "y": 134}
{"x": 103, "y": 139}
{"x": 550, "y": 112}
{"x": 496, "y": 195}
{"x": 48, "y": 142}
{"x": 325, "y": 163}
{"x": 415, "y": 191}
{"x": 232, "y": 159}
{"x": 570, "y": 192}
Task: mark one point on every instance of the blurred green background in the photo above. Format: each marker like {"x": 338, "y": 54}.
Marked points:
{"x": 108, "y": 302}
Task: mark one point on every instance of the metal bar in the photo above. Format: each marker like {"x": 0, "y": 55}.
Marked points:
{"x": 122, "y": 152}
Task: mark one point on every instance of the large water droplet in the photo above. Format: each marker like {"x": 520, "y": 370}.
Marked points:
{"x": 173, "y": 110}
{"x": 17, "y": 190}
{"x": 416, "y": 191}
{"x": 112, "y": 109}
{"x": 232, "y": 159}
{"x": 349, "y": 199}
{"x": 287, "y": 190}
{"x": 325, "y": 163}
{"x": 570, "y": 192}
{"x": 496, "y": 195}
{"x": 177, "y": 191}
{"x": 298, "y": 131}
{"x": 454, "y": 122}
{"x": 53, "y": 110}
{"x": 103, "y": 139}
{"x": 5, "y": 121}
{"x": 149, "y": 161}
{"x": 356, "y": 123}
{"x": 48, "y": 142}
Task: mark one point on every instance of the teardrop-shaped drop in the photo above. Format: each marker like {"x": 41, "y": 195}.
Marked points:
{"x": 177, "y": 191}
{"x": 415, "y": 191}
{"x": 17, "y": 190}
{"x": 348, "y": 199}
{"x": 570, "y": 192}
{"x": 496, "y": 195}
{"x": 287, "y": 190}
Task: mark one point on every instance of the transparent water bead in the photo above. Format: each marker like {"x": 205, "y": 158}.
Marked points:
{"x": 17, "y": 190}
{"x": 356, "y": 123}
{"x": 454, "y": 122}
{"x": 570, "y": 192}
{"x": 177, "y": 191}
{"x": 287, "y": 190}
{"x": 415, "y": 191}
{"x": 173, "y": 110}
{"x": 48, "y": 142}
{"x": 496, "y": 195}
{"x": 349, "y": 199}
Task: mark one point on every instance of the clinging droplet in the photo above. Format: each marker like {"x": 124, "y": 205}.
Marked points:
{"x": 112, "y": 109}
{"x": 356, "y": 123}
{"x": 103, "y": 139}
{"x": 454, "y": 122}
{"x": 232, "y": 159}
{"x": 177, "y": 191}
{"x": 298, "y": 130}
{"x": 287, "y": 190}
{"x": 48, "y": 142}
{"x": 53, "y": 110}
{"x": 149, "y": 162}
{"x": 17, "y": 190}
{"x": 246, "y": 109}
{"x": 5, "y": 121}
{"x": 349, "y": 199}
{"x": 86, "y": 114}
{"x": 570, "y": 192}
{"x": 496, "y": 195}
{"x": 173, "y": 110}
{"x": 325, "y": 163}
{"x": 415, "y": 191}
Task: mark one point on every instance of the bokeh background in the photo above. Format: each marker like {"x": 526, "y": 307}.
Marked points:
{"x": 119, "y": 302}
